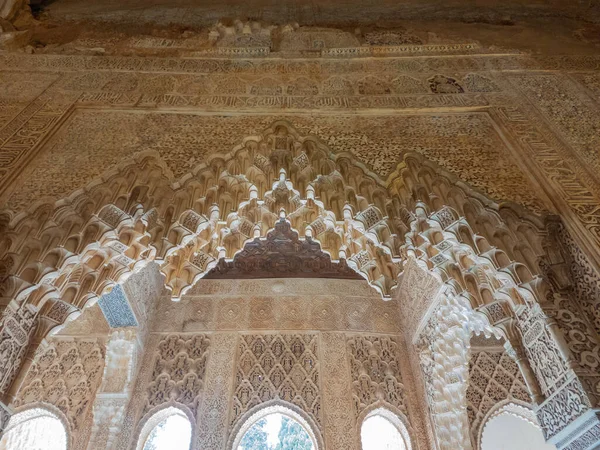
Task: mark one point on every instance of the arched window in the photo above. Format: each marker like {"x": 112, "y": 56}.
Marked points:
{"x": 275, "y": 428}
{"x": 513, "y": 428}
{"x": 34, "y": 429}
{"x": 383, "y": 430}
{"x": 167, "y": 429}
{"x": 276, "y": 432}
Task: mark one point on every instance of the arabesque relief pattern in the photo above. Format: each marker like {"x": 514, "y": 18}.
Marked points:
{"x": 113, "y": 395}
{"x": 375, "y": 368}
{"x": 66, "y": 374}
{"x": 400, "y": 197}
{"x": 277, "y": 367}
{"x": 179, "y": 370}
{"x": 331, "y": 305}
{"x": 181, "y": 141}
{"x": 340, "y": 420}
{"x": 435, "y": 235}
{"x": 493, "y": 377}
{"x": 17, "y": 329}
{"x": 214, "y": 412}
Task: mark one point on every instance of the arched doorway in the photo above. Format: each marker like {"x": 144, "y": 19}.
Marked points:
{"x": 167, "y": 429}
{"x": 383, "y": 430}
{"x": 276, "y": 431}
{"x": 35, "y": 429}
{"x": 511, "y": 430}
{"x": 275, "y": 427}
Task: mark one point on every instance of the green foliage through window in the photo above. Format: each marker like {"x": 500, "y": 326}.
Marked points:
{"x": 263, "y": 435}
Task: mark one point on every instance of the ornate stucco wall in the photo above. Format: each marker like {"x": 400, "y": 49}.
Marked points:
{"x": 437, "y": 169}
{"x": 517, "y": 127}
{"x": 331, "y": 348}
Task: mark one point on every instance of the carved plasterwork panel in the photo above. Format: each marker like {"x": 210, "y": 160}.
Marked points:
{"x": 143, "y": 289}
{"x": 66, "y": 374}
{"x": 121, "y": 360}
{"x": 108, "y": 419}
{"x": 183, "y": 141}
{"x": 542, "y": 351}
{"x": 493, "y": 377}
{"x": 179, "y": 370}
{"x": 340, "y": 420}
{"x": 586, "y": 440}
{"x": 114, "y": 393}
{"x": 375, "y": 367}
{"x": 590, "y": 80}
{"x": 585, "y": 279}
{"x": 317, "y": 39}
{"x": 396, "y": 36}
{"x": 292, "y": 304}
{"x": 562, "y": 408}
{"x": 277, "y": 367}
{"x": 15, "y": 87}
{"x": 5, "y": 415}
{"x": 138, "y": 399}
{"x": 415, "y": 295}
{"x": 581, "y": 339}
{"x": 17, "y": 329}
{"x": 474, "y": 82}
{"x": 212, "y": 430}
{"x": 27, "y": 129}
{"x": 575, "y": 187}
{"x": 282, "y": 286}
{"x": 17, "y": 92}
{"x": 574, "y": 305}
{"x": 574, "y": 114}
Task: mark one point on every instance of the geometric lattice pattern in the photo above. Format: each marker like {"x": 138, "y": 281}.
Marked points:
{"x": 375, "y": 372}
{"x": 116, "y": 309}
{"x": 493, "y": 377}
{"x": 277, "y": 366}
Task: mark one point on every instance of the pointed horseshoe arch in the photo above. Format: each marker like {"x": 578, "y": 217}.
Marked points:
{"x": 275, "y": 407}
{"x": 59, "y": 258}
{"x": 83, "y": 245}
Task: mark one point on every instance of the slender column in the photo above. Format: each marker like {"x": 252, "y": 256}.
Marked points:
{"x": 556, "y": 333}
{"x": 213, "y": 413}
{"x": 517, "y": 353}
{"x": 22, "y": 371}
{"x": 16, "y": 349}
{"x": 116, "y": 388}
{"x": 340, "y": 423}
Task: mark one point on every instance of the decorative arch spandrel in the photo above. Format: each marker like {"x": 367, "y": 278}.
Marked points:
{"x": 484, "y": 254}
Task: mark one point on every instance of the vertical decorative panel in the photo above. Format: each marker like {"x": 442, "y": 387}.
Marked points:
{"x": 212, "y": 416}
{"x": 339, "y": 420}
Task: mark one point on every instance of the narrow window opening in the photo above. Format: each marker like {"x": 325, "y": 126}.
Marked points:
{"x": 378, "y": 433}
{"x": 276, "y": 431}
{"x": 507, "y": 431}
{"x": 172, "y": 433}
{"x": 34, "y": 429}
